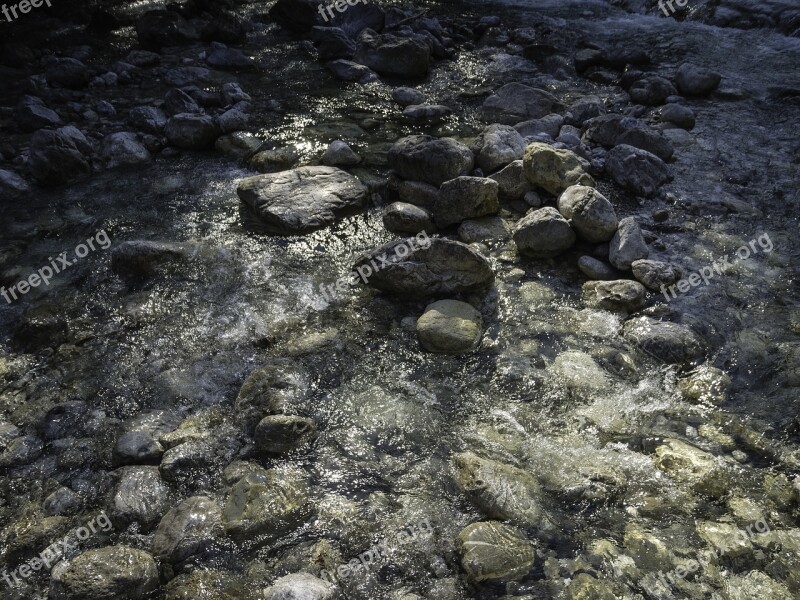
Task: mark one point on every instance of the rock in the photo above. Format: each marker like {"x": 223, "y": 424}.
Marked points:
{"x": 431, "y": 160}
{"x": 651, "y": 91}
{"x": 415, "y": 192}
{"x": 705, "y": 384}
{"x": 271, "y": 161}
{"x": 358, "y": 17}
{"x": 230, "y": 59}
{"x": 55, "y": 158}
{"x": 613, "y": 130}
{"x": 392, "y": 55}
{"x": 188, "y": 529}
{"x": 406, "y": 96}
{"x": 584, "y": 586}
{"x": 501, "y": 491}
{"x": 427, "y": 113}
{"x": 492, "y": 551}
{"x": 279, "y": 434}
{"x": 693, "y": 80}
{"x": 112, "y": 572}
{"x": 339, "y": 154}
{"x": 185, "y": 76}
{"x": 647, "y": 551}
{"x": 700, "y": 470}
{"x": 332, "y": 43}
{"x": 755, "y": 585}
{"x": 177, "y": 101}
{"x": 591, "y": 214}
{"x": 12, "y": 185}
{"x": 482, "y": 230}
{"x": 401, "y": 217}
{"x": 549, "y": 125}
{"x": 158, "y": 28}
{"x": 143, "y": 258}
{"x": 543, "y": 233}
{"x": 148, "y": 119}
{"x": 465, "y": 198}
{"x": 302, "y": 200}
{"x": 137, "y": 448}
{"x": 647, "y": 139}
{"x": 637, "y": 170}
{"x": 187, "y": 460}
{"x": 348, "y": 70}
{"x": 596, "y": 269}
{"x": 192, "y": 132}
{"x": 122, "y": 149}
{"x": 681, "y": 116}
{"x": 226, "y": 27}
{"x": 299, "y": 16}
{"x": 232, "y": 120}
{"x": 143, "y": 58}
{"x": 555, "y": 170}
{"x": 579, "y": 372}
{"x": 512, "y": 181}
{"x": 497, "y": 146}
{"x": 67, "y": 72}
{"x": 654, "y": 273}
{"x": 63, "y": 501}
{"x": 232, "y": 93}
{"x": 140, "y": 496}
{"x": 32, "y": 114}
{"x": 627, "y": 245}
{"x": 622, "y": 295}
{"x": 260, "y": 509}
{"x": 440, "y": 268}
{"x": 515, "y": 102}
{"x": 300, "y": 586}
{"x": 668, "y": 342}
{"x": 449, "y": 326}
{"x": 583, "y": 109}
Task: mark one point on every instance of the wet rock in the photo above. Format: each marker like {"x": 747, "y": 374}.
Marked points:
{"x": 300, "y": 586}
{"x": 705, "y": 384}
{"x": 579, "y": 372}
{"x": 698, "y": 469}
{"x": 425, "y": 158}
{"x": 157, "y": 28}
{"x": 515, "y": 102}
{"x": 191, "y": 131}
{"x": 302, "y": 200}
{"x": 693, "y": 80}
{"x": 207, "y": 584}
{"x": 67, "y": 72}
{"x": 184, "y": 461}
{"x": 140, "y": 496}
{"x": 270, "y": 161}
{"x": 188, "y": 529}
{"x": 31, "y": 114}
{"x": 232, "y": 93}
{"x": 123, "y": 149}
{"x": 177, "y": 101}
{"x": 427, "y": 113}
{"x": 299, "y": 16}
{"x": 555, "y": 170}
{"x": 543, "y": 233}
{"x": 481, "y": 230}
{"x": 651, "y": 91}
{"x": 267, "y": 507}
{"x": 646, "y": 550}
{"x": 621, "y": 295}
{"x": 358, "y": 17}
{"x": 465, "y": 198}
{"x": 655, "y": 273}
{"x": 61, "y": 502}
{"x": 143, "y": 258}
{"x": 442, "y": 268}
{"x": 755, "y": 585}
{"x": 276, "y": 387}
{"x": 64, "y": 419}
{"x": 29, "y": 534}
{"x": 112, "y": 572}
{"x": 663, "y": 340}
{"x": 497, "y": 146}
{"x": 596, "y": 269}
{"x": 391, "y": 55}
{"x": 492, "y": 551}
{"x": 279, "y": 434}
{"x": 55, "y": 157}
{"x": 348, "y": 70}
{"x": 627, "y": 245}
{"x": 148, "y": 119}
{"x": 332, "y": 43}
{"x": 637, "y": 170}
{"x": 21, "y": 451}
{"x": 137, "y": 448}
{"x": 681, "y": 116}
{"x": 230, "y": 59}
{"x": 512, "y": 181}
{"x": 12, "y": 185}
{"x": 232, "y": 120}
{"x": 549, "y": 125}
{"x": 401, "y": 217}
{"x": 583, "y": 586}
{"x": 406, "y": 96}
{"x": 339, "y": 154}
{"x": 502, "y": 491}
{"x": 591, "y": 214}
{"x": 415, "y": 192}
{"x": 185, "y": 76}
{"x": 449, "y": 326}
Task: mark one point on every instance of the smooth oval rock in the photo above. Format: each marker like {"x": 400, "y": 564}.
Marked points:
{"x": 449, "y": 326}
{"x": 592, "y": 215}
{"x": 543, "y": 233}
{"x": 655, "y": 274}
{"x": 666, "y": 341}
{"x": 428, "y": 159}
{"x": 497, "y": 146}
{"x": 402, "y": 217}
{"x": 187, "y": 529}
{"x": 491, "y": 551}
{"x": 515, "y": 102}
{"x": 278, "y": 434}
{"x": 112, "y": 572}
{"x": 596, "y": 269}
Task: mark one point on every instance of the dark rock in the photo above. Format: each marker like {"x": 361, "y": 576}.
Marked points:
{"x": 428, "y": 159}
{"x": 651, "y": 91}
{"x": 515, "y": 102}
{"x": 192, "y": 132}
{"x": 668, "y": 342}
{"x": 427, "y": 113}
{"x": 693, "y": 80}
{"x": 406, "y": 96}
{"x": 401, "y": 217}
{"x": 279, "y": 434}
{"x": 230, "y": 59}
{"x": 681, "y": 116}
{"x": 177, "y": 101}
{"x": 392, "y": 55}
{"x": 148, "y": 119}
{"x": 543, "y": 233}
{"x": 55, "y": 158}
{"x": 298, "y": 16}
{"x": 622, "y": 295}
{"x": 32, "y": 114}
{"x": 226, "y": 27}
{"x": 465, "y": 198}
{"x": 113, "y": 572}
{"x": 158, "y": 28}
{"x": 332, "y": 43}
{"x": 637, "y": 170}
{"x": 347, "y": 70}
{"x": 68, "y": 73}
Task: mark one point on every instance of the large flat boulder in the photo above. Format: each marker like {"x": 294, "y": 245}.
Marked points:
{"x": 302, "y": 200}
{"x": 431, "y": 160}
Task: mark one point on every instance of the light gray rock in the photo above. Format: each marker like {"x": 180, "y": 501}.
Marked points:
{"x": 515, "y": 102}
{"x": 543, "y": 233}
{"x": 549, "y": 125}
{"x": 137, "y": 447}
{"x": 668, "y": 342}
{"x": 449, "y": 326}
{"x": 300, "y": 586}
{"x": 191, "y": 131}
{"x": 339, "y": 154}
{"x": 401, "y": 217}
{"x": 302, "y": 200}
{"x": 555, "y": 170}
{"x": 431, "y": 160}
{"x": 465, "y": 198}
{"x": 622, "y": 295}
{"x": 627, "y": 245}
{"x": 655, "y": 273}
{"x": 637, "y": 170}
{"x": 111, "y": 572}
{"x": 693, "y": 80}
{"x": 497, "y": 146}
{"x": 512, "y": 181}
{"x": 491, "y": 551}
{"x": 124, "y": 149}
{"x": 188, "y": 529}
{"x": 591, "y": 214}
{"x": 279, "y": 434}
